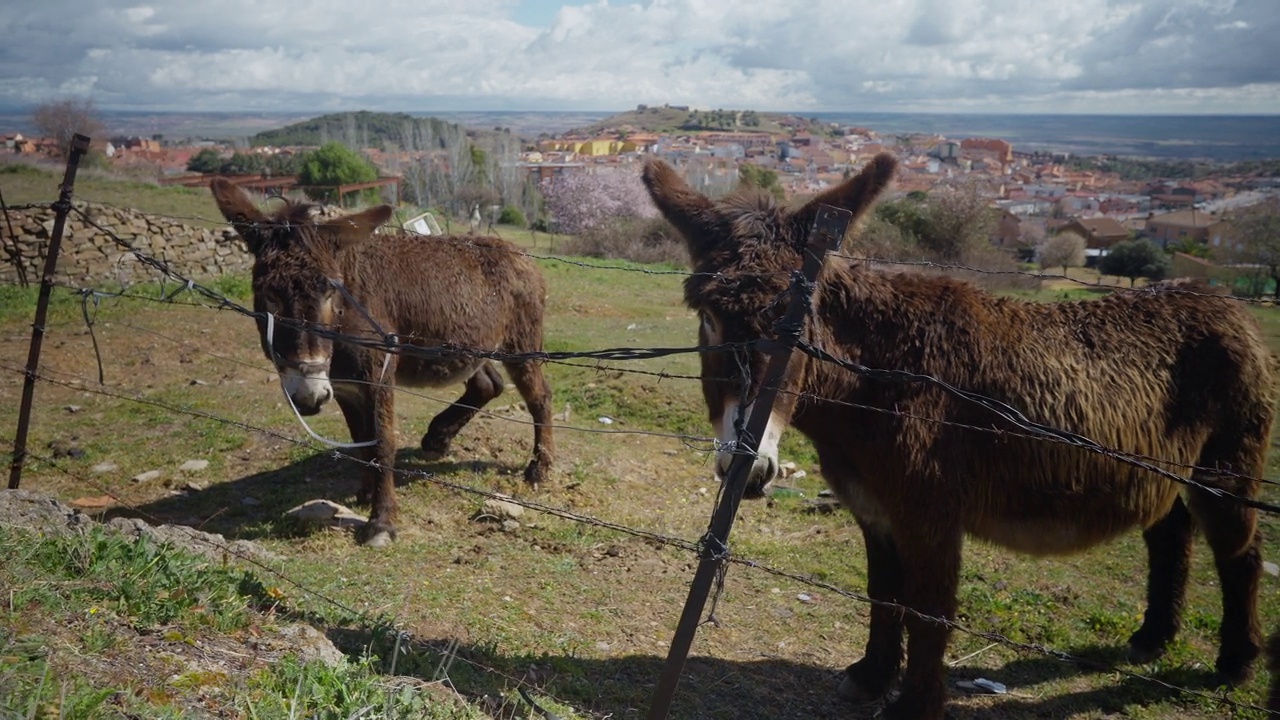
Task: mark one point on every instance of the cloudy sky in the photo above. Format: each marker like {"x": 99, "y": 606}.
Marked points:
{"x": 1096, "y": 56}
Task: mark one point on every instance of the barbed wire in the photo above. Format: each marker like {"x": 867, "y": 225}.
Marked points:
{"x": 1035, "y": 430}
{"x": 1046, "y": 432}
{"x": 661, "y": 539}
{"x": 1164, "y": 286}
{"x": 467, "y": 240}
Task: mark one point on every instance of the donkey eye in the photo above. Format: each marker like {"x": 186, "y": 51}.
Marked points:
{"x": 710, "y": 328}
{"x": 271, "y": 304}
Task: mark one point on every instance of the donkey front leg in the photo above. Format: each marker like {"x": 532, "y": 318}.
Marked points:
{"x": 871, "y": 677}
{"x": 485, "y": 385}
{"x": 931, "y": 574}
{"x": 1169, "y": 561}
{"x": 370, "y": 416}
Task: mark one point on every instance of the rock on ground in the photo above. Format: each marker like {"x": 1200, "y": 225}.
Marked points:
{"x": 31, "y": 510}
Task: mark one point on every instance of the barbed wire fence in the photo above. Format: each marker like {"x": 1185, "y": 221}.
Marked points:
{"x": 712, "y": 548}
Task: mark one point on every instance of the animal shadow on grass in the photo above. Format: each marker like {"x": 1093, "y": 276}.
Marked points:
{"x": 773, "y": 688}
{"x": 252, "y": 507}
{"x": 1117, "y": 696}
{"x": 619, "y": 687}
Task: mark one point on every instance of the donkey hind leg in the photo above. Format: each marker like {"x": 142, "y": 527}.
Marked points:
{"x": 1231, "y": 529}
{"x": 871, "y": 677}
{"x": 1168, "y": 559}
{"x": 931, "y": 574}
{"x": 532, "y": 384}
{"x": 483, "y": 386}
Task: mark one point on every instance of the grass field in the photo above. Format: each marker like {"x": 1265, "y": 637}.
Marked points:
{"x": 578, "y": 612}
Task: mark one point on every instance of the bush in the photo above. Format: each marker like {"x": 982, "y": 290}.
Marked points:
{"x": 642, "y": 240}
{"x": 511, "y": 215}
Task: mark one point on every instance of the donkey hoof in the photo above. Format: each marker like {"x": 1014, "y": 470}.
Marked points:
{"x": 433, "y": 449}
{"x": 860, "y": 685}
{"x": 377, "y": 535}
{"x": 1143, "y": 649}
{"x": 535, "y": 473}
{"x": 1236, "y": 668}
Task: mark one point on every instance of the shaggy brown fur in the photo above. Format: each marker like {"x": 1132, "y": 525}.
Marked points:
{"x": 1167, "y": 374}
{"x": 429, "y": 292}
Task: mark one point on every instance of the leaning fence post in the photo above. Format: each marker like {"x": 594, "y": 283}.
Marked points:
{"x": 79, "y": 146}
{"x": 828, "y": 230}
{"x": 14, "y": 251}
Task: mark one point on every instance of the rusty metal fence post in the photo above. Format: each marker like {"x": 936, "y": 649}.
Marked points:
{"x": 79, "y": 146}
{"x": 828, "y": 230}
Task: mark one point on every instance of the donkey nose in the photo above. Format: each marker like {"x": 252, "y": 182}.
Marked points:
{"x": 313, "y": 368}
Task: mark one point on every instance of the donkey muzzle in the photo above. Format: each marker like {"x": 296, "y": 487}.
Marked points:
{"x": 764, "y": 467}
{"x": 308, "y": 386}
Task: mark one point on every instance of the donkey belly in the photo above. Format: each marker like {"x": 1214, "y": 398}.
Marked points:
{"x": 424, "y": 372}
{"x": 1059, "y": 525}
{"x": 1048, "y": 537}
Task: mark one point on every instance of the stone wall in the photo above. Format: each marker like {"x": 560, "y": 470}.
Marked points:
{"x": 90, "y": 256}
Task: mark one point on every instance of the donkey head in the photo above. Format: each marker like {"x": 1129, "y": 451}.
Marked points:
{"x": 743, "y": 250}
{"x": 296, "y": 281}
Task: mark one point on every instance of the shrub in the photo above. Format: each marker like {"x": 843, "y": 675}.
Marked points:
{"x": 642, "y": 240}
{"x": 511, "y": 215}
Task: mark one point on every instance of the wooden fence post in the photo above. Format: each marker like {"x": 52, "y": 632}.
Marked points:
{"x": 79, "y": 146}
{"x": 828, "y": 230}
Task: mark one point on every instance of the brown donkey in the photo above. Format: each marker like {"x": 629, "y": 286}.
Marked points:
{"x": 431, "y": 293}
{"x": 1173, "y": 375}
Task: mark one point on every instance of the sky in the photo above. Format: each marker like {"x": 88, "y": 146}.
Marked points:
{"x": 955, "y": 56}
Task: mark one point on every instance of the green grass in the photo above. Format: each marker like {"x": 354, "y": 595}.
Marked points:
{"x": 23, "y": 184}
{"x": 76, "y": 605}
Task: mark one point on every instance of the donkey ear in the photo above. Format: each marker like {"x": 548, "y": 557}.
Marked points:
{"x": 691, "y": 212}
{"x": 357, "y": 227}
{"x": 236, "y": 206}
{"x": 855, "y": 195}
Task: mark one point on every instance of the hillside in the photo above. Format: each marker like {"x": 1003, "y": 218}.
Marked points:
{"x": 366, "y": 130}
{"x": 678, "y": 119}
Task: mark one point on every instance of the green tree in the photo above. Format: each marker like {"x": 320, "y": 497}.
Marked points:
{"x": 243, "y": 164}
{"x": 1134, "y": 259}
{"x": 207, "y": 160}
{"x": 760, "y": 177}
{"x": 480, "y": 161}
{"x": 331, "y": 165}
{"x": 1190, "y": 246}
{"x": 947, "y": 225}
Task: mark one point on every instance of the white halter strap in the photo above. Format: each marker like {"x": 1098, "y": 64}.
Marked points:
{"x": 271, "y": 329}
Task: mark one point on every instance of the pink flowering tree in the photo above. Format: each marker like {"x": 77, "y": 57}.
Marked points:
{"x": 581, "y": 200}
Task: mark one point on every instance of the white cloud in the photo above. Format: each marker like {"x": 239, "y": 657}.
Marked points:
{"x": 972, "y": 55}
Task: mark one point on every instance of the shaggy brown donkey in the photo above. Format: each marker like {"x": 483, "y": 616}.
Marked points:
{"x": 428, "y": 292}
{"x": 1173, "y": 375}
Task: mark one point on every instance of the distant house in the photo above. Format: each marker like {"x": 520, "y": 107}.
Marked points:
{"x": 1000, "y": 149}
{"x": 1180, "y": 225}
{"x": 1008, "y": 232}
{"x": 1099, "y": 232}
